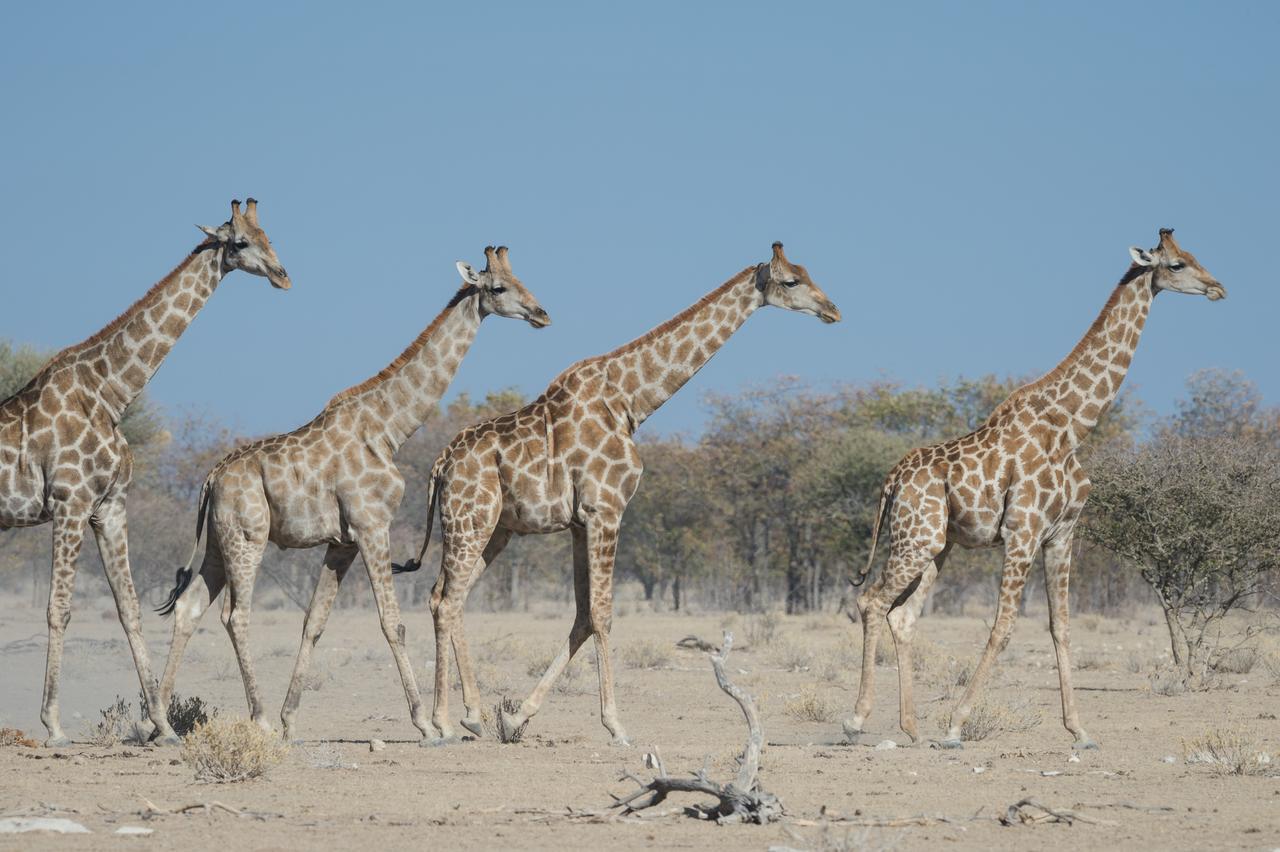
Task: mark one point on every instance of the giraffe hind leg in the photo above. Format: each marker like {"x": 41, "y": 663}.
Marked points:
{"x": 473, "y": 721}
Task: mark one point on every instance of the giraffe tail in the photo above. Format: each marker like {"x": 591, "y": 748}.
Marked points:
{"x": 433, "y": 494}
{"x": 183, "y": 578}
{"x": 886, "y": 493}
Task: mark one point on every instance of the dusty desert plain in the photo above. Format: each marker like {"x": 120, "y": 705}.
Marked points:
{"x": 552, "y": 790}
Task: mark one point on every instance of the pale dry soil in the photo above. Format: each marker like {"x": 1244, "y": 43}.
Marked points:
{"x": 483, "y": 795}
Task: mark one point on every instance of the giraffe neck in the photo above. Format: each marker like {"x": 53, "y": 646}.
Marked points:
{"x": 121, "y": 358}
{"x": 403, "y": 395}
{"x": 1086, "y": 382}
{"x": 653, "y": 367}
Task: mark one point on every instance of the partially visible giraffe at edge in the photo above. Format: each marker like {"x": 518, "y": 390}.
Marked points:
{"x": 567, "y": 461}
{"x": 1015, "y": 481}
{"x": 64, "y": 460}
{"x": 333, "y": 482}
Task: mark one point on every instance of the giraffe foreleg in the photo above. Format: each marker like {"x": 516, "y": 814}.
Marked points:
{"x": 1057, "y": 573}
{"x": 337, "y": 560}
{"x": 375, "y": 548}
{"x": 68, "y": 537}
{"x": 578, "y": 634}
{"x": 111, "y": 529}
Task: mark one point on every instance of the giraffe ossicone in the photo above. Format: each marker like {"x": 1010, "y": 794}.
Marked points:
{"x": 1015, "y": 481}
{"x": 64, "y": 460}
{"x": 567, "y": 460}
{"x": 333, "y": 482}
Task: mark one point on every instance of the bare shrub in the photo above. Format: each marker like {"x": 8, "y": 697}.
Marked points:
{"x": 1168, "y": 681}
{"x": 492, "y": 721}
{"x": 1272, "y": 664}
{"x": 116, "y": 724}
{"x": 1231, "y": 751}
{"x": 1136, "y": 663}
{"x": 991, "y": 716}
{"x": 810, "y": 706}
{"x": 184, "y": 713}
{"x": 762, "y": 628}
{"x": 1089, "y": 622}
{"x": 228, "y": 750}
{"x": 646, "y": 654}
{"x": 1236, "y": 661}
{"x": 1091, "y": 661}
{"x": 14, "y": 737}
{"x": 791, "y": 656}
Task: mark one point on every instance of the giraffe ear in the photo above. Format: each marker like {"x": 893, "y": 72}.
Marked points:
{"x": 468, "y": 274}
{"x": 1142, "y": 257}
{"x": 212, "y": 232}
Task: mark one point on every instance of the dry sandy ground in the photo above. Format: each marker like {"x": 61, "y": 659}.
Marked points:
{"x": 486, "y": 795}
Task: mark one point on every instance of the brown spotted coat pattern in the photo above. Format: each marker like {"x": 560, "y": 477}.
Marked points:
{"x": 1014, "y": 481}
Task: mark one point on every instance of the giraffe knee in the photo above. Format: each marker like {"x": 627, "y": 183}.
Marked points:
{"x": 59, "y": 617}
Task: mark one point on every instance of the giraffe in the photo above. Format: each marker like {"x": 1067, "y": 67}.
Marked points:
{"x": 1014, "y": 481}
{"x": 62, "y": 456}
{"x": 567, "y": 461}
{"x": 333, "y": 482}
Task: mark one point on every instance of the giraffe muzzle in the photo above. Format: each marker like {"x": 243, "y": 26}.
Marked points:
{"x": 829, "y": 313}
{"x": 537, "y": 317}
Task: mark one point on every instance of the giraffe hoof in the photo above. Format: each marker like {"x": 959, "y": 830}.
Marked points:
{"x": 620, "y": 741}
{"x": 1085, "y": 744}
{"x": 167, "y": 741}
{"x": 852, "y": 734}
{"x": 474, "y": 727}
{"x": 949, "y": 744}
{"x": 57, "y": 742}
{"x": 438, "y": 742}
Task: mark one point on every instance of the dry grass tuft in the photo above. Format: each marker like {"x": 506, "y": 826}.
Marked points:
{"x": 810, "y": 706}
{"x": 991, "y": 716}
{"x": 1167, "y": 681}
{"x": 791, "y": 656}
{"x": 646, "y": 654}
{"x": 114, "y": 727}
{"x": 1090, "y": 661}
{"x": 1090, "y": 622}
{"x": 1231, "y": 751}
{"x": 14, "y": 737}
{"x": 1271, "y": 662}
{"x": 490, "y": 720}
{"x": 1236, "y": 661}
{"x": 762, "y": 628}
{"x": 185, "y": 714}
{"x": 228, "y": 750}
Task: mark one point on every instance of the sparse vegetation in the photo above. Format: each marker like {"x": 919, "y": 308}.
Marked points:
{"x": 230, "y": 750}
{"x": 1231, "y": 751}
{"x": 116, "y": 724}
{"x": 185, "y": 713}
{"x": 646, "y": 654}
{"x": 492, "y": 721}
{"x": 991, "y": 717}
{"x": 810, "y": 706}
{"x": 14, "y": 737}
{"x": 762, "y": 628}
{"x": 1236, "y": 661}
{"x": 792, "y": 656}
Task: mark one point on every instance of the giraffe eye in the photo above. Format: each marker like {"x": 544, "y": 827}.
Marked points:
{"x": 1176, "y": 265}
{"x": 242, "y": 243}
{"x": 498, "y": 290}
{"x": 791, "y": 283}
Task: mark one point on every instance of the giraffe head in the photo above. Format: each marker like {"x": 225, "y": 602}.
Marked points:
{"x": 1174, "y": 269}
{"x": 500, "y": 290}
{"x": 789, "y": 286}
{"x": 246, "y": 246}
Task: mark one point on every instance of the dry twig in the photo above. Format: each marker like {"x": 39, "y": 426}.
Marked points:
{"x": 740, "y": 800}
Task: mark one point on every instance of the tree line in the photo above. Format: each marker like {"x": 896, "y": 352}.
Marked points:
{"x": 772, "y": 505}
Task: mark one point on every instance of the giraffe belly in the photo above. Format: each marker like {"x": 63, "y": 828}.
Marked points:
{"x": 21, "y": 508}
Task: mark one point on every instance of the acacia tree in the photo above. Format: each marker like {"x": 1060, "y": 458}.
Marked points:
{"x": 1200, "y": 517}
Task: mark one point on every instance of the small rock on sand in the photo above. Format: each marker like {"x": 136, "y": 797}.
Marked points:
{"x": 377, "y": 745}
{"x": 885, "y": 745}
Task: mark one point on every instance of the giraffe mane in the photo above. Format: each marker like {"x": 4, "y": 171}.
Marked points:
{"x": 404, "y": 357}
{"x": 1132, "y": 274}
{"x": 114, "y": 326}
{"x": 679, "y": 318}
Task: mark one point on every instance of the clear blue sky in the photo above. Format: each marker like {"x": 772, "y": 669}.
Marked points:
{"x": 964, "y": 180}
